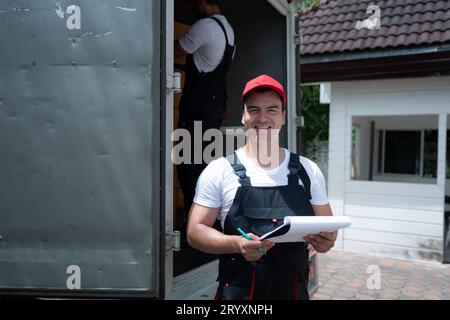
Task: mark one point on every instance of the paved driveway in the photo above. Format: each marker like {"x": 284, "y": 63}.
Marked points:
{"x": 351, "y": 276}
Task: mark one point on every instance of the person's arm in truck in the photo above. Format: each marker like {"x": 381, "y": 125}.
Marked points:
{"x": 179, "y": 51}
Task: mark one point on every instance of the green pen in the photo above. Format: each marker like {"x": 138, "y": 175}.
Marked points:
{"x": 248, "y": 238}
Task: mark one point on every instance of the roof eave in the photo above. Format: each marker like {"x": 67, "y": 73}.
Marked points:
{"x": 371, "y": 54}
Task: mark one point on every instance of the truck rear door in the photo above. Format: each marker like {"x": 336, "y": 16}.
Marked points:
{"x": 80, "y": 148}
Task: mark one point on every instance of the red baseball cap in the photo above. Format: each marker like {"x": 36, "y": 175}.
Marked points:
{"x": 264, "y": 81}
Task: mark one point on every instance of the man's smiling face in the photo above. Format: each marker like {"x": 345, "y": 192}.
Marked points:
{"x": 263, "y": 111}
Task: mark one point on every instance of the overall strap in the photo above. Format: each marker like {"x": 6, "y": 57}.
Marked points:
{"x": 223, "y": 29}
{"x": 238, "y": 169}
{"x": 296, "y": 171}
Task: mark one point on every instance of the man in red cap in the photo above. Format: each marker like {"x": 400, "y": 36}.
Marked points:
{"x": 253, "y": 191}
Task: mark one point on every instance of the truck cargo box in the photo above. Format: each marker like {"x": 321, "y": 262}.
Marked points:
{"x": 89, "y": 204}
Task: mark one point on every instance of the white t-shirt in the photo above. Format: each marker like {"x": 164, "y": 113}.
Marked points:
{"x": 217, "y": 185}
{"x": 206, "y": 41}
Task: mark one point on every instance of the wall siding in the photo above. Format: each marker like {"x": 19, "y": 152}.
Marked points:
{"x": 336, "y": 164}
{"x": 395, "y": 214}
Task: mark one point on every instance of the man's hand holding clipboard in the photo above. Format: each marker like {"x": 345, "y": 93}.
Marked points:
{"x": 319, "y": 231}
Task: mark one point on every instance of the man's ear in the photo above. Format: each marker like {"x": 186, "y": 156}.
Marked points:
{"x": 284, "y": 116}
{"x": 243, "y": 113}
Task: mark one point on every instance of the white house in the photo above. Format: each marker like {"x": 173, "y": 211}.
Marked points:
{"x": 389, "y": 122}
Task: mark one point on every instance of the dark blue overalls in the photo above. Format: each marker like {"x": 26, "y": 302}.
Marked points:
{"x": 282, "y": 274}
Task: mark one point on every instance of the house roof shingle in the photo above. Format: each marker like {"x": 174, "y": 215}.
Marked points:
{"x": 331, "y": 26}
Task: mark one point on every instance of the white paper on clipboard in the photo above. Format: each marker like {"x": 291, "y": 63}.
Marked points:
{"x": 294, "y": 228}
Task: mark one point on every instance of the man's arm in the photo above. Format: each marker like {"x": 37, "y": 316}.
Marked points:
{"x": 202, "y": 236}
{"x": 179, "y": 51}
{"x": 322, "y": 210}
{"x": 324, "y": 241}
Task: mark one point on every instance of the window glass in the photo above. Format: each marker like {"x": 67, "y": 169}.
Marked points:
{"x": 402, "y": 152}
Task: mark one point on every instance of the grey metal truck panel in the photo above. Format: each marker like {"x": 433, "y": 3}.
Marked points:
{"x": 80, "y": 145}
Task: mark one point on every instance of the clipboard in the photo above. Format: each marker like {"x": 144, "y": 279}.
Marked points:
{"x": 294, "y": 228}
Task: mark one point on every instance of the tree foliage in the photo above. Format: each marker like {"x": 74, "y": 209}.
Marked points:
{"x": 306, "y": 5}
{"x": 316, "y": 115}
